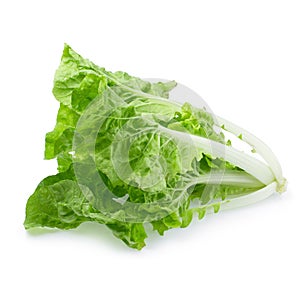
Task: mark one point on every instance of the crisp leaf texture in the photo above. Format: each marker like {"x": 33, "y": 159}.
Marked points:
{"x": 127, "y": 155}
{"x": 58, "y": 202}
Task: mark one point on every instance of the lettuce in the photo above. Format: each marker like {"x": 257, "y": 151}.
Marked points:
{"x": 127, "y": 156}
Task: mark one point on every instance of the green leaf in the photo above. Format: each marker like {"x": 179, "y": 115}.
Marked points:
{"x": 187, "y": 218}
{"x": 64, "y": 161}
{"x": 78, "y": 78}
{"x": 60, "y": 139}
{"x": 127, "y": 155}
{"x": 58, "y": 202}
{"x": 77, "y": 83}
{"x": 160, "y": 227}
{"x": 195, "y": 121}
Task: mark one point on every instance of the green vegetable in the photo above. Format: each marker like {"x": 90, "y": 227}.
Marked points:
{"x": 127, "y": 155}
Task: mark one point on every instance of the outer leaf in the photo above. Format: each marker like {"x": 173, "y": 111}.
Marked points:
{"x": 77, "y": 82}
{"x": 60, "y": 139}
{"x": 58, "y": 202}
{"x": 145, "y": 149}
{"x": 76, "y": 74}
{"x": 196, "y": 121}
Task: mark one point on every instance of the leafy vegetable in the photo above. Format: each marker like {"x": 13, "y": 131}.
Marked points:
{"x": 127, "y": 155}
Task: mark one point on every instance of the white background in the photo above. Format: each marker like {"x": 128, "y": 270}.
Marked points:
{"x": 242, "y": 57}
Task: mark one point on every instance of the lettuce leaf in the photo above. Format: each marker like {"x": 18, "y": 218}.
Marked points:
{"x": 127, "y": 156}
